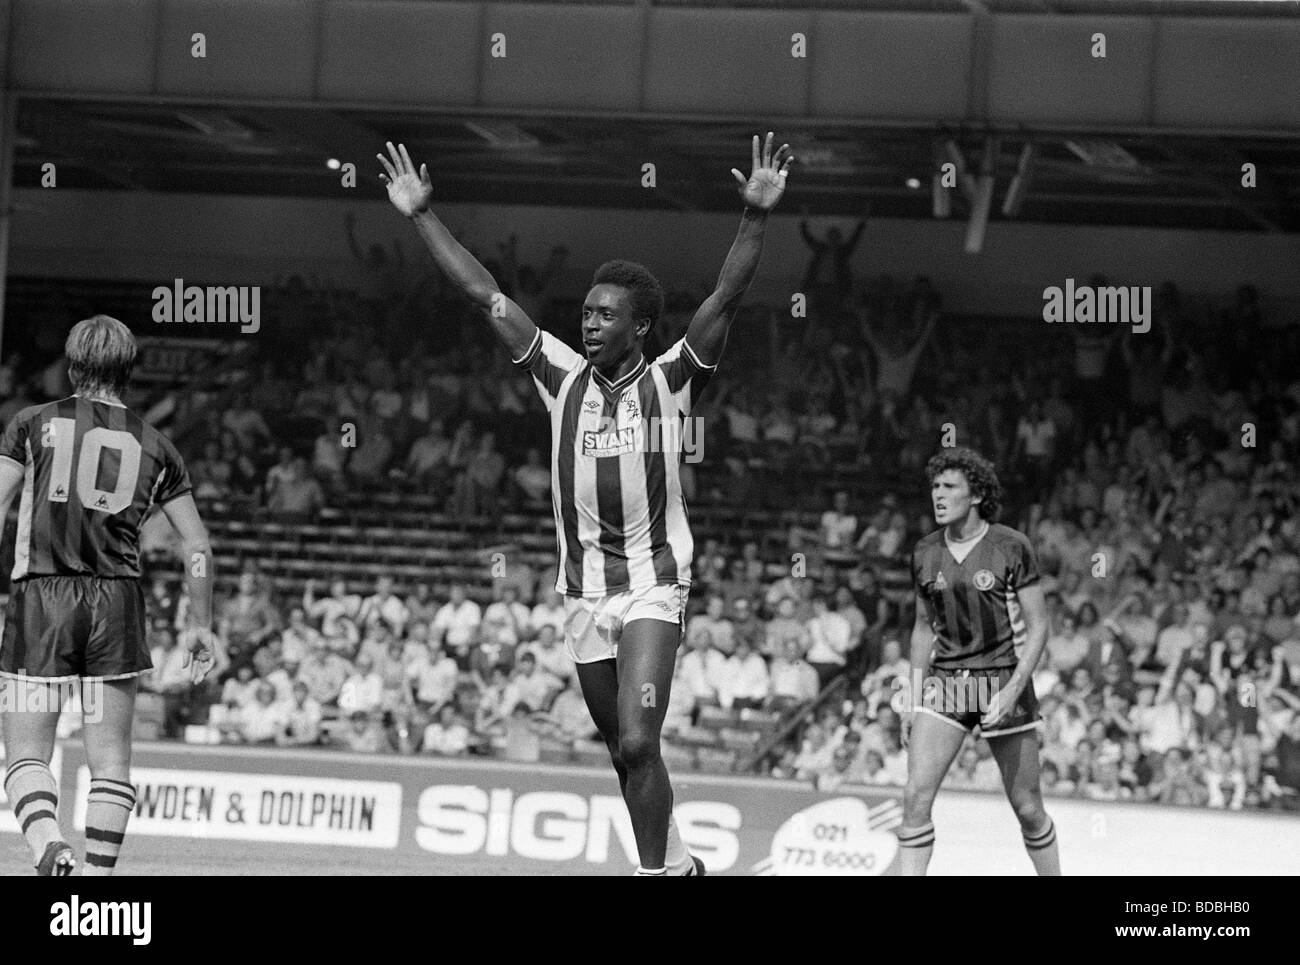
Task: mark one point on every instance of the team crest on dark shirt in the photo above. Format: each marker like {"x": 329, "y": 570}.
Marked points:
{"x": 983, "y": 580}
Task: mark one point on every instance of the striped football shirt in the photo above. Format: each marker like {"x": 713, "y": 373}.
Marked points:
{"x": 616, "y": 448}
{"x": 91, "y": 473}
{"x": 973, "y": 605}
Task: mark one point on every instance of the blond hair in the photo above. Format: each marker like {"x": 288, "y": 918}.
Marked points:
{"x": 101, "y": 353}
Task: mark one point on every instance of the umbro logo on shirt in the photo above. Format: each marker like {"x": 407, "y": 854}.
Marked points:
{"x": 939, "y": 582}
{"x": 591, "y": 404}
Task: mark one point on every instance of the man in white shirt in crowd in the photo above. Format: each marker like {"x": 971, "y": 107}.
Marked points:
{"x": 743, "y": 682}
{"x": 273, "y": 672}
{"x": 420, "y": 605}
{"x": 702, "y": 668}
{"x": 331, "y": 609}
{"x": 534, "y": 479}
{"x": 448, "y": 735}
{"x": 838, "y": 525}
{"x": 324, "y": 672}
{"x": 1176, "y": 638}
{"x": 263, "y": 720}
{"x": 569, "y": 715}
{"x": 456, "y": 626}
{"x": 882, "y": 684}
{"x": 1067, "y": 648}
{"x": 506, "y": 618}
{"x": 714, "y": 622}
{"x": 742, "y": 422}
{"x": 375, "y": 644}
{"x": 873, "y": 769}
{"x": 281, "y": 472}
{"x": 747, "y": 625}
{"x": 299, "y": 637}
{"x": 832, "y": 639}
{"x": 549, "y": 610}
{"x": 302, "y": 719}
{"x": 1134, "y": 621}
{"x": 528, "y": 685}
{"x": 427, "y": 464}
{"x": 786, "y": 627}
{"x": 384, "y": 605}
{"x": 364, "y": 689}
{"x": 793, "y": 680}
{"x": 551, "y": 657}
{"x": 846, "y": 607}
{"x": 434, "y": 680}
{"x": 171, "y": 673}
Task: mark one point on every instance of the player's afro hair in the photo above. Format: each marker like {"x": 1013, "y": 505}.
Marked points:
{"x": 980, "y": 475}
{"x": 101, "y": 353}
{"x": 647, "y": 295}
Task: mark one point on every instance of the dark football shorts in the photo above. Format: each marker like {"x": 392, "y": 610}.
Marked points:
{"x": 961, "y": 697}
{"x": 65, "y": 627}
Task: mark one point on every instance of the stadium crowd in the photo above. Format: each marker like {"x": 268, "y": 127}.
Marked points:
{"x": 1154, "y": 473}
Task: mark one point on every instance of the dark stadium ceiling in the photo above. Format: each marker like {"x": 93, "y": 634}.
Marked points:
{"x": 1071, "y": 178}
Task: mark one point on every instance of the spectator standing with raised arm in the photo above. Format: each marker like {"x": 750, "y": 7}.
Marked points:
{"x": 834, "y": 250}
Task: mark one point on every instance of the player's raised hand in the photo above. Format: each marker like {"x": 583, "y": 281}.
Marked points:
{"x": 766, "y": 182}
{"x": 410, "y": 192}
{"x": 200, "y": 646}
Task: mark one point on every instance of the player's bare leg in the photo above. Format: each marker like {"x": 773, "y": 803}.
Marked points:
{"x": 30, "y": 719}
{"x": 647, "y": 654}
{"x": 107, "y": 736}
{"x": 1017, "y": 757}
{"x": 931, "y": 750}
{"x": 599, "y": 682}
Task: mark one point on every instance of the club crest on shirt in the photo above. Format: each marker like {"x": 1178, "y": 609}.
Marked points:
{"x": 983, "y": 580}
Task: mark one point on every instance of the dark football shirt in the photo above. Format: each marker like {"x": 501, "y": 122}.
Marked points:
{"x": 91, "y": 473}
{"x": 973, "y": 606}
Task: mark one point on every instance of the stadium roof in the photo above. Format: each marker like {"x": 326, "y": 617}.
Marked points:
{"x": 1070, "y": 177}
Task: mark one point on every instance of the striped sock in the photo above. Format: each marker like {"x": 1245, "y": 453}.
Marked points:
{"x": 108, "y": 809}
{"x": 915, "y": 845}
{"x": 34, "y": 798}
{"x": 1042, "y": 849}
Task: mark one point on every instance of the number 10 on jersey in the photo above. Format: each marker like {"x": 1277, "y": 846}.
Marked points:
{"x": 60, "y": 435}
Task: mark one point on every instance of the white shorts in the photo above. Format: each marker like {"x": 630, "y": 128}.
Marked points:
{"x": 593, "y": 626}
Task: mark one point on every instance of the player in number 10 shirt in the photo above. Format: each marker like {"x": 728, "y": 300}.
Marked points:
{"x": 87, "y": 471}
